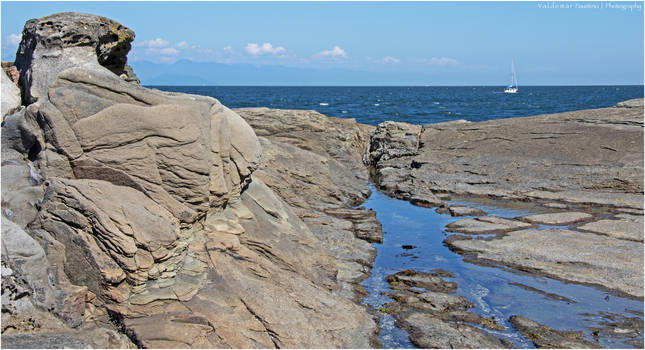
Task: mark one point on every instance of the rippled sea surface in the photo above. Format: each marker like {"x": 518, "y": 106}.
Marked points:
{"x": 419, "y": 105}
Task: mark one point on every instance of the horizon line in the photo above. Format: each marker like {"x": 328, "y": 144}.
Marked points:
{"x": 394, "y": 85}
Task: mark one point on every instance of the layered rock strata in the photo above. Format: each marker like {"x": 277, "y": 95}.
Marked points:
{"x": 152, "y": 219}
{"x": 581, "y": 157}
{"x": 315, "y": 163}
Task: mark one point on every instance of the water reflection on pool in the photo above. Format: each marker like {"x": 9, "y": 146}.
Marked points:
{"x": 488, "y": 288}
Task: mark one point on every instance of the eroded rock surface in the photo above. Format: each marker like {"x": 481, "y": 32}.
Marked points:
{"x": 143, "y": 216}
{"x": 580, "y": 257}
{"x": 521, "y": 158}
{"x": 316, "y": 164}
{"x": 545, "y": 337}
{"x": 423, "y": 305}
{"x": 588, "y": 164}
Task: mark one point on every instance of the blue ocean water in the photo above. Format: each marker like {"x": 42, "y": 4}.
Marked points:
{"x": 418, "y": 104}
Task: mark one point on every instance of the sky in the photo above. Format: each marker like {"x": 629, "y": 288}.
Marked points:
{"x": 450, "y": 43}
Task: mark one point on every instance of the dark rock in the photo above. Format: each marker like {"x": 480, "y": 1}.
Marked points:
{"x": 49, "y": 43}
{"x": 547, "y": 295}
{"x": 436, "y": 319}
{"x": 408, "y": 246}
{"x": 545, "y": 337}
{"x": 42, "y": 341}
{"x": 428, "y": 280}
{"x": 618, "y": 326}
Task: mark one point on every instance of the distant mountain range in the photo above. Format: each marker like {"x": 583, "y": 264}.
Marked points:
{"x": 186, "y": 72}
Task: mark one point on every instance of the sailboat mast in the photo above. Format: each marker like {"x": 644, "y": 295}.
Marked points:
{"x": 514, "y": 76}
{"x": 512, "y": 72}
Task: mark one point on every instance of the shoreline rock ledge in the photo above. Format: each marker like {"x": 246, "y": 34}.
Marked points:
{"x": 134, "y": 217}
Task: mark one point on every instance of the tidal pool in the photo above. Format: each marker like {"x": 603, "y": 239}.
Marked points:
{"x": 495, "y": 292}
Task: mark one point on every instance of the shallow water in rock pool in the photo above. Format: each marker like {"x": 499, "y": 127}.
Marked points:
{"x": 488, "y": 288}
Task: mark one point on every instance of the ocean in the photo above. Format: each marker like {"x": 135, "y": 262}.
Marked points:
{"x": 418, "y": 104}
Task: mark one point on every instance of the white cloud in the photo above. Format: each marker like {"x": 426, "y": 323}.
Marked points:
{"x": 255, "y": 49}
{"x": 167, "y": 51}
{"x": 336, "y": 52}
{"x": 182, "y": 45}
{"x": 228, "y": 50}
{"x": 439, "y": 61}
{"x": 389, "y": 59}
{"x": 154, "y": 43}
{"x": 14, "y": 39}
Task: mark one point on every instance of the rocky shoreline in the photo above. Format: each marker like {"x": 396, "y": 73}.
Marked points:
{"x": 169, "y": 220}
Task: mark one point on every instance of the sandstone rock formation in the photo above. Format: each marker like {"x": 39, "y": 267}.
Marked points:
{"x": 316, "y": 164}
{"x": 152, "y": 219}
{"x": 580, "y": 157}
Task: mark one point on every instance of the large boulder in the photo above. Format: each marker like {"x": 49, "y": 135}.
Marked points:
{"x": 150, "y": 218}
{"x": 187, "y": 153}
{"x": 53, "y": 43}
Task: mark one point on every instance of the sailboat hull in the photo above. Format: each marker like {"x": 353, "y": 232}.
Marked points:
{"x": 510, "y": 90}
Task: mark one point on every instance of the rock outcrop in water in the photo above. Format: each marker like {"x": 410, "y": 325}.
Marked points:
{"x": 425, "y": 306}
{"x": 135, "y": 217}
{"x": 586, "y": 166}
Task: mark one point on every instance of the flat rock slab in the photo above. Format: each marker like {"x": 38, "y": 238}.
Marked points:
{"x": 428, "y": 280}
{"x": 486, "y": 224}
{"x": 628, "y": 227}
{"x": 521, "y": 158}
{"x": 568, "y": 255}
{"x": 566, "y": 218}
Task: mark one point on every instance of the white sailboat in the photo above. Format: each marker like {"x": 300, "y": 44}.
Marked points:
{"x": 511, "y": 89}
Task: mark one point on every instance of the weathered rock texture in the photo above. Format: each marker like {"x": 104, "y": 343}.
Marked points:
{"x": 586, "y": 164}
{"x": 545, "y": 337}
{"x": 424, "y": 306}
{"x": 590, "y": 156}
{"x": 131, "y": 211}
{"x": 316, "y": 164}
{"x": 54, "y": 43}
{"x": 580, "y": 257}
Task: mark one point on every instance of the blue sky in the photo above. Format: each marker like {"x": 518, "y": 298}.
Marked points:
{"x": 449, "y": 42}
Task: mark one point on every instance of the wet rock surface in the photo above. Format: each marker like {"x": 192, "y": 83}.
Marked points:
{"x": 425, "y": 307}
{"x": 486, "y": 224}
{"x": 545, "y": 337}
{"x": 460, "y": 210}
{"x": 619, "y": 327}
{"x": 521, "y": 159}
{"x": 581, "y": 257}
